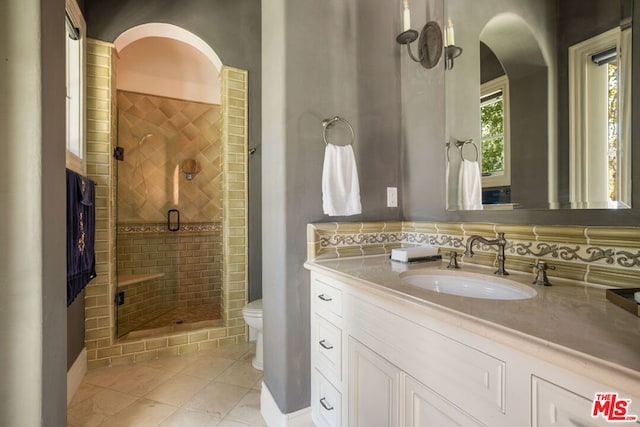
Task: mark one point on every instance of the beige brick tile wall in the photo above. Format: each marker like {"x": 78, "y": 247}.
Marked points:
{"x": 103, "y": 349}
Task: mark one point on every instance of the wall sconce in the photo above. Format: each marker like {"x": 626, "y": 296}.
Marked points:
{"x": 190, "y": 168}
{"x": 451, "y": 51}
{"x": 429, "y": 40}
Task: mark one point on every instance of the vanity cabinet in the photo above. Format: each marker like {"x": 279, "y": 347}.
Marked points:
{"x": 374, "y": 385}
{"x": 379, "y": 359}
{"x": 326, "y": 353}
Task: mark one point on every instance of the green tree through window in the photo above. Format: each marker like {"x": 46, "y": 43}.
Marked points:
{"x": 492, "y": 119}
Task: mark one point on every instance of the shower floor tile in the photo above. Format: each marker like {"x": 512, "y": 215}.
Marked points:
{"x": 180, "y": 319}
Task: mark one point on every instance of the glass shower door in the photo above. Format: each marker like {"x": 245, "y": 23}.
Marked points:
{"x": 169, "y": 250}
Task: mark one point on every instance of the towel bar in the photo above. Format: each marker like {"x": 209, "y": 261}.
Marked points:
{"x": 327, "y": 123}
{"x": 460, "y": 145}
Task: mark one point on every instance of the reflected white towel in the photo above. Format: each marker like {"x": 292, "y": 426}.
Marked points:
{"x": 340, "y": 185}
{"x": 470, "y": 186}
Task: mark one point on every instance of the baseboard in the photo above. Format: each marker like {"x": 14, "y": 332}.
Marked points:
{"x": 274, "y": 418}
{"x": 76, "y": 374}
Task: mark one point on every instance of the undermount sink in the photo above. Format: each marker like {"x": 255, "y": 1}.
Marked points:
{"x": 467, "y": 284}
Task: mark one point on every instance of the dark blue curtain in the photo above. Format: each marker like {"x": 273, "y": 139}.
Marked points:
{"x": 81, "y": 225}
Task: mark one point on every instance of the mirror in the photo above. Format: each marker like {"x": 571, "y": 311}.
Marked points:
{"x": 538, "y": 104}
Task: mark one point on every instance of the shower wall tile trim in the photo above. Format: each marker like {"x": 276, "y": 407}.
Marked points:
{"x": 103, "y": 349}
{"x": 599, "y": 255}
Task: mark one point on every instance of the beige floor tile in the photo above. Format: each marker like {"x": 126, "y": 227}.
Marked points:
{"x": 216, "y": 399}
{"x": 84, "y": 392}
{"x": 143, "y": 413}
{"x": 241, "y": 374}
{"x": 151, "y": 393}
{"x": 248, "y": 410}
{"x": 234, "y": 351}
{"x": 94, "y": 410}
{"x": 186, "y": 418}
{"x": 175, "y": 363}
{"x": 231, "y": 423}
{"x": 140, "y": 380}
{"x": 208, "y": 367}
{"x": 177, "y": 390}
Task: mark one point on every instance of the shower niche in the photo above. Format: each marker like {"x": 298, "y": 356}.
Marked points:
{"x": 169, "y": 214}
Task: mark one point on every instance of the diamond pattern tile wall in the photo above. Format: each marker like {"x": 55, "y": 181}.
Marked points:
{"x": 158, "y": 134}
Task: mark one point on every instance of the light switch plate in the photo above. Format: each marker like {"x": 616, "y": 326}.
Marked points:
{"x": 392, "y": 197}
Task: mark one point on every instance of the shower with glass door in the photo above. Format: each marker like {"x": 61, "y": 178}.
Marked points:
{"x": 169, "y": 212}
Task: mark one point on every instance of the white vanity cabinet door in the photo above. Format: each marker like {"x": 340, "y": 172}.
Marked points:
{"x": 556, "y": 406}
{"x": 424, "y": 408}
{"x": 373, "y": 388}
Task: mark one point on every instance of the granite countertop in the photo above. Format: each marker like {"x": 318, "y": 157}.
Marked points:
{"x": 571, "y": 317}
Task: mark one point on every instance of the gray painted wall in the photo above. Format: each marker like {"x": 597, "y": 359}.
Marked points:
{"x": 232, "y": 29}
{"x": 32, "y": 196}
{"x": 320, "y": 58}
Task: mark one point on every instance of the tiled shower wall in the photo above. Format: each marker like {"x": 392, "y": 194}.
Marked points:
{"x": 103, "y": 348}
{"x": 158, "y": 134}
{"x": 190, "y": 263}
{"x": 145, "y": 298}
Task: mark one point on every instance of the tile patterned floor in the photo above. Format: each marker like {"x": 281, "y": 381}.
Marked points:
{"x": 210, "y": 388}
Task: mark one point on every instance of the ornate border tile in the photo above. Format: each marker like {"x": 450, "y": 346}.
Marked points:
{"x": 211, "y": 227}
{"x": 603, "y": 255}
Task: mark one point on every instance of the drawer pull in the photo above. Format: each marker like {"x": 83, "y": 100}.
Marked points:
{"x": 326, "y": 405}
{"x": 325, "y": 345}
{"x": 323, "y": 297}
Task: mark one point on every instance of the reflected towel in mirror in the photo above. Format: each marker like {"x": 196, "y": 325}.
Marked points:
{"x": 340, "y": 185}
{"x": 470, "y": 186}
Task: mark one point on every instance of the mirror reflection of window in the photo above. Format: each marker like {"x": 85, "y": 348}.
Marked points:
{"x": 494, "y": 118}
{"x": 600, "y": 165}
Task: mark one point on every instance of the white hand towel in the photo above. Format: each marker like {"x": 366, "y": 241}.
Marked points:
{"x": 340, "y": 185}
{"x": 470, "y": 186}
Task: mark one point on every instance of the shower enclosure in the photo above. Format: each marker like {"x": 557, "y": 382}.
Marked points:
{"x": 169, "y": 214}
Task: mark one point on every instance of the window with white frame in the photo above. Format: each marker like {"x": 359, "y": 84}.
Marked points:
{"x": 494, "y": 119}
{"x": 599, "y": 107}
{"x": 75, "y": 47}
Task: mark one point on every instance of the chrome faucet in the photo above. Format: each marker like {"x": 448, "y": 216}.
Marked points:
{"x": 500, "y": 242}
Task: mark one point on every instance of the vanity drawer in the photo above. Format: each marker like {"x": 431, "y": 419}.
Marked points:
{"x": 325, "y": 298}
{"x": 326, "y": 345}
{"x": 326, "y": 401}
{"x": 552, "y": 405}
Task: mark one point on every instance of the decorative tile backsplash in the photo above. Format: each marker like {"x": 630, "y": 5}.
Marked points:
{"x": 158, "y": 134}
{"x": 602, "y": 255}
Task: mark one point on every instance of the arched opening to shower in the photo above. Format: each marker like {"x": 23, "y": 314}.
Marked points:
{"x": 169, "y": 182}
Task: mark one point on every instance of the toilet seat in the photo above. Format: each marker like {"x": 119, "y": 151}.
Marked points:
{"x": 253, "y": 309}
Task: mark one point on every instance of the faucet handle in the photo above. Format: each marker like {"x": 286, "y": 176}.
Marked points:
{"x": 541, "y": 276}
{"x": 542, "y": 266}
{"x": 453, "y": 261}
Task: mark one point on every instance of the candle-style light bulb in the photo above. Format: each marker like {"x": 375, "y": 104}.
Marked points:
{"x": 406, "y": 17}
{"x": 449, "y": 36}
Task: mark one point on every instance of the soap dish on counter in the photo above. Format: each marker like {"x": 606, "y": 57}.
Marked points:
{"x": 625, "y": 299}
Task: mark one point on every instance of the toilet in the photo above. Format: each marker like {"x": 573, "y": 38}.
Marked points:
{"x": 252, "y": 314}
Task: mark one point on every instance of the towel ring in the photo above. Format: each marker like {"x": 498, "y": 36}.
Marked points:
{"x": 460, "y": 145}
{"x": 327, "y": 123}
